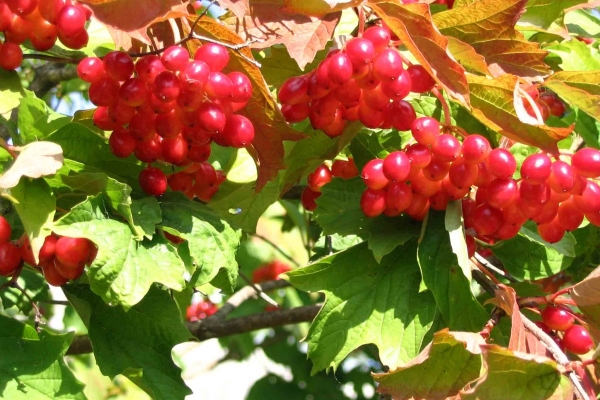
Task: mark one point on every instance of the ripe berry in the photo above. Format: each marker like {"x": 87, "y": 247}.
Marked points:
{"x": 153, "y": 181}
{"x": 398, "y": 197}
{"x": 174, "y": 150}
{"x": 238, "y": 131}
{"x": 419, "y": 155}
{"x": 387, "y": 64}
{"x": 378, "y": 36}
{"x": 486, "y": 219}
{"x": 501, "y": 163}
{"x": 373, "y": 202}
{"x": 242, "y": 87}
{"x": 396, "y": 166}
{"x": 421, "y": 80}
{"x": 536, "y": 168}
{"x": 462, "y": 174}
{"x": 577, "y": 340}
{"x": 167, "y": 86}
{"x": 551, "y": 231}
{"x": 53, "y": 277}
{"x": 48, "y": 250}
{"x": 68, "y": 271}
{"x": 558, "y": 318}
{"x": 502, "y": 193}
{"x": 295, "y": 112}
{"x": 118, "y": 65}
{"x": 90, "y": 69}
{"x": 215, "y": 55}
{"x": 562, "y": 177}
{"x": 11, "y": 56}
{"x": 175, "y": 58}
{"x": 308, "y": 199}
{"x": 294, "y": 90}
{"x": 569, "y": 216}
{"x": 425, "y": 130}
{"x": 398, "y": 88}
{"x": 373, "y": 175}
{"x": 360, "y": 51}
{"x": 446, "y": 148}
{"x": 320, "y": 177}
{"x": 586, "y": 162}
{"x": 133, "y": 92}
{"x": 5, "y": 230}
{"x": 345, "y": 169}
{"x": 218, "y": 86}
{"x": 72, "y": 252}
{"x": 339, "y": 69}
{"x": 475, "y": 149}
{"x": 148, "y": 67}
{"x": 589, "y": 201}
{"x": 10, "y": 258}
{"x": 70, "y": 20}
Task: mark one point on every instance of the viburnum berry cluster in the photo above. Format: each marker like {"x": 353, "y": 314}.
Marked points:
{"x": 200, "y": 309}
{"x": 364, "y": 81}
{"x": 438, "y": 168}
{"x": 547, "y": 102}
{"x": 171, "y": 109}
{"x": 559, "y": 318}
{"x": 42, "y": 22}
{"x": 322, "y": 175}
{"x": 270, "y": 271}
{"x": 61, "y": 258}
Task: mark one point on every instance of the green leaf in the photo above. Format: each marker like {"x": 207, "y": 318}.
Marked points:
{"x": 366, "y": 302}
{"x": 36, "y": 205}
{"x": 441, "y": 370}
{"x": 576, "y": 56}
{"x": 580, "y": 89}
{"x": 444, "y": 277}
{"x": 280, "y": 66}
{"x": 34, "y": 284}
{"x": 36, "y": 120}
{"x": 544, "y": 13}
{"x": 537, "y": 259}
{"x": 521, "y": 152}
{"x": 11, "y": 91}
{"x": 530, "y": 377}
{"x": 32, "y": 364}
{"x": 124, "y": 268}
{"x": 338, "y": 212}
{"x": 369, "y": 144}
{"x": 212, "y": 241}
{"x": 588, "y": 128}
{"x": 454, "y": 224}
{"x": 117, "y": 194}
{"x": 136, "y": 343}
{"x": 583, "y": 22}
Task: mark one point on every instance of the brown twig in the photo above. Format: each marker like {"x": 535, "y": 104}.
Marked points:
{"x": 258, "y": 289}
{"x": 447, "y": 116}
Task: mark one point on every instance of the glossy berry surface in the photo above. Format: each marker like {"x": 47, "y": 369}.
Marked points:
{"x": 558, "y": 318}
{"x": 5, "y": 230}
{"x": 577, "y": 340}
{"x": 153, "y": 181}
{"x": 72, "y": 252}
{"x": 10, "y": 258}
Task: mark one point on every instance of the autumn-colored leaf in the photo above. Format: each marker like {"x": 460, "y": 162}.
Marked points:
{"x": 303, "y": 36}
{"x": 488, "y": 26}
{"x": 412, "y": 23}
{"x": 467, "y": 56}
{"x": 317, "y": 8}
{"x": 442, "y": 369}
{"x": 543, "y": 13}
{"x": 134, "y": 16}
{"x": 237, "y": 7}
{"x": 516, "y": 375}
{"x": 506, "y": 299}
{"x": 586, "y": 295}
{"x": 580, "y": 88}
{"x": 35, "y": 160}
{"x": 269, "y": 125}
{"x": 492, "y": 101}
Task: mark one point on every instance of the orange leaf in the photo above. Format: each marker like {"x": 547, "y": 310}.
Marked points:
{"x": 303, "y": 36}
{"x": 506, "y": 299}
{"x": 269, "y": 125}
{"x": 317, "y": 8}
{"x": 467, "y": 56}
{"x": 412, "y": 23}
{"x": 493, "y": 104}
{"x": 488, "y": 26}
{"x": 134, "y": 16}
{"x": 237, "y": 7}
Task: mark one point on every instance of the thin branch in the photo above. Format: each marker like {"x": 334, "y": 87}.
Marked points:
{"x": 447, "y": 117}
{"x": 279, "y": 249}
{"x": 258, "y": 290}
{"x": 247, "y": 293}
{"x": 493, "y": 268}
{"x": 234, "y": 47}
{"x": 46, "y": 57}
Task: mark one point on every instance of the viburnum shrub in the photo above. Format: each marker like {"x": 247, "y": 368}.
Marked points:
{"x": 428, "y": 170}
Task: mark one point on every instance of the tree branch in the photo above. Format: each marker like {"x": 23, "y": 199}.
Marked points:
{"x": 49, "y": 75}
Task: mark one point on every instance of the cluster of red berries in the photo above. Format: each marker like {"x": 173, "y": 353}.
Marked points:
{"x": 547, "y": 102}
{"x": 559, "y": 318}
{"x": 200, "y": 310}
{"x": 42, "y": 22}
{"x": 322, "y": 175}
{"x": 171, "y": 110}
{"x": 365, "y": 81}
{"x": 439, "y": 168}
{"x": 61, "y": 258}
{"x": 270, "y": 271}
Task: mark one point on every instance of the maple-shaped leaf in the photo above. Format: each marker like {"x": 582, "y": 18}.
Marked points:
{"x": 488, "y": 26}
{"x": 270, "y": 128}
{"x": 302, "y": 35}
{"x": 492, "y": 102}
{"x": 134, "y": 16}
{"x": 587, "y": 296}
{"x": 442, "y": 369}
{"x": 579, "y": 88}
{"x": 516, "y": 375}
{"x": 412, "y": 23}
{"x": 366, "y": 302}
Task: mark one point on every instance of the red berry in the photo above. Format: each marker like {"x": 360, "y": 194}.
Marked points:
{"x": 167, "y": 86}
{"x": 536, "y": 168}
{"x": 398, "y": 197}
{"x": 396, "y": 166}
{"x": 425, "y": 130}
{"x": 502, "y": 193}
{"x": 294, "y": 90}
{"x": 475, "y": 149}
{"x": 10, "y": 258}
{"x": 373, "y": 202}
{"x": 562, "y": 177}
{"x": 558, "y": 318}
{"x": 53, "y": 277}
{"x": 551, "y": 231}
{"x": 360, "y": 51}
{"x": 242, "y": 87}
{"x": 586, "y": 162}
{"x": 118, "y": 65}
{"x": 215, "y": 55}
{"x": 308, "y": 199}
{"x": 486, "y": 219}
{"x": 175, "y": 58}
{"x": 218, "y": 86}
{"x": 446, "y": 148}
{"x": 72, "y": 253}
{"x": 340, "y": 68}
{"x": 90, "y": 69}
{"x": 378, "y": 36}
{"x": 70, "y": 20}
{"x": 153, "y": 181}
{"x": 11, "y": 56}
{"x": 320, "y": 177}
{"x": 373, "y": 175}
{"x": 238, "y": 131}
{"x": 577, "y": 340}
{"x": 421, "y": 80}
{"x": 5, "y": 230}
{"x": 48, "y": 250}
{"x": 501, "y": 163}
{"x": 68, "y": 271}
{"x": 387, "y": 64}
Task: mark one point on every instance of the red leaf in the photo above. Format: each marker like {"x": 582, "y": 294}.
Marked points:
{"x": 269, "y": 125}
{"x": 303, "y": 36}
{"x": 412, "y": 23}
{"x": 506, "y": 299}
{"x": 134, "y": 16}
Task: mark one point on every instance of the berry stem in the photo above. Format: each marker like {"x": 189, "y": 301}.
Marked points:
{"x": 553, "y": 296}
{"x": 13, "y": 283}
{"x": 492, "y": 322}
{"x": 486, "y": 272}
{"x": 8, "y": 148}
{"x": 361, "y": 21}
{"x": 447, "y": 118}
